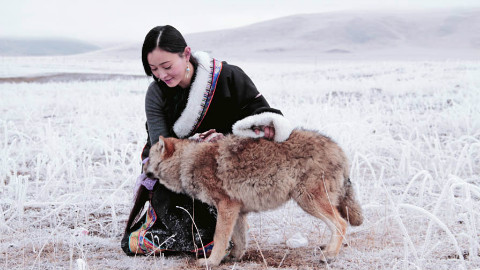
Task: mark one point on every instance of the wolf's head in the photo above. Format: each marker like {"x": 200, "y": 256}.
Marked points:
{"x": 160, "y": 166}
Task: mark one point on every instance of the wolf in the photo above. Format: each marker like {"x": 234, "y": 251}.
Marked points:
{"x": 239, "y": 175}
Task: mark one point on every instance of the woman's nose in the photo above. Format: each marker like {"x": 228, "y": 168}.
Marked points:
{"x": 161, "y": 75}
{"x": 158, "y": 74}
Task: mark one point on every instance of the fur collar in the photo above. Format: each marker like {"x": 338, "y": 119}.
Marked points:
{"x": 185, "y": 124}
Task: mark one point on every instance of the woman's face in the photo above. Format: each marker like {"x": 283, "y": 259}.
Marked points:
{"x": 170, "y": 67}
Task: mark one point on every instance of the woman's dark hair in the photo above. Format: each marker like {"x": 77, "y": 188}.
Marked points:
{"x": 167, "y": 38}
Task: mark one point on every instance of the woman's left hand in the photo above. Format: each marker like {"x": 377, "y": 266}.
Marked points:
{"x": 269, "y": 131}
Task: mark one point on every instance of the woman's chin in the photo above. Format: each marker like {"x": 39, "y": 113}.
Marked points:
{"x": 170, "y": 83}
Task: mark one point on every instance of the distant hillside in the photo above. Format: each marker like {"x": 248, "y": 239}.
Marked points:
{"x": 43, "y": 47}
{"x": 349, "y": 32}
{"x": 363, "y": 34}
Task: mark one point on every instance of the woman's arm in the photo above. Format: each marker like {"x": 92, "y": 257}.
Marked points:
{"x": 244, "y": 91}
{"x": 257, "y": 118}
{"x": 154, "y": 110}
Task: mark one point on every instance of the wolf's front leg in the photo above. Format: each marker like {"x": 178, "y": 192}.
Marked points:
{"x": 239, "y": 237}
{"x": 226, "y": 219}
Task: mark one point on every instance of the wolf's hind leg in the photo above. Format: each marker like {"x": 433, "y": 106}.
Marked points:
{"x": 320, "y": 207}
{"x": 239, "y": 237}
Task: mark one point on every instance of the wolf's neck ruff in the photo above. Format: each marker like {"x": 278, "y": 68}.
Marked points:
{"x": 200, "y": 97}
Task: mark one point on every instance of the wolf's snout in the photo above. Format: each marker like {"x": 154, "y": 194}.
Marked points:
{"x": 150, "y": 175}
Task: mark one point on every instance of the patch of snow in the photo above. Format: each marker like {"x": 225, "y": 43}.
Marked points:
{"x": 297, "y": 240}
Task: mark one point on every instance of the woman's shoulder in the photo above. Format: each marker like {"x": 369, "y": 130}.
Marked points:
{"x": 205, "y": 59}
{"x": 153, "y": 86}
{"x": 154, "y": 90}
{"x": 231, "y": 70}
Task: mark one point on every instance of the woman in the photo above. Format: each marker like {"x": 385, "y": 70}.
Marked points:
{"x": 198, "y": 97}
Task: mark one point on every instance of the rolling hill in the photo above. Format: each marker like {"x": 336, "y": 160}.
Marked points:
{"x": 43, "y": 47}
{"x": 385, "y": 34}
{"x": 342, "y": 33}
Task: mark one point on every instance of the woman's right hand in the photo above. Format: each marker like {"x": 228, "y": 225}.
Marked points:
{"x": 208, "y": 136}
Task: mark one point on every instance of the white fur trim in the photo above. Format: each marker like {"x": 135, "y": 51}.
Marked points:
{"x": 187, "y": 120}
{"x": 282, "y": 126}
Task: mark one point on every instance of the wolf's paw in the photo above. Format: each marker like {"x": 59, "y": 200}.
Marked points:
{"x": 229, "y": 259}
{"x": 202, "y": 262}
{"x": 233, "y": 258}
{"x": 236, "y": 254}
{"x": 206, "y": 262}
{"x": 327, "y": 257}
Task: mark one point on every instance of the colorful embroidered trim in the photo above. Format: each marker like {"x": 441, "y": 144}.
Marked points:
{"x": 137, "y": 242}
{"x": 208, "y": 249}
{"x": 209, "y": 92}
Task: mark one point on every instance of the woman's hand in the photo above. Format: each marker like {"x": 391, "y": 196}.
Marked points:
{"x": 208, "y": 136}
{"x": 269, "y": 132}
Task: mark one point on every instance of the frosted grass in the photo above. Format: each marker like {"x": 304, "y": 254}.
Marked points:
{"x": 68, "y": 159}
{"x": 412, "y": 132}
{"x": 70, "y": 153}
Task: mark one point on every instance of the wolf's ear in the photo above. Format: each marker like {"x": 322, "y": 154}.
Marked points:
{"x": 161, "y": 144}
{"x": 161, "y": 141}
{"x": 167, "y": 145}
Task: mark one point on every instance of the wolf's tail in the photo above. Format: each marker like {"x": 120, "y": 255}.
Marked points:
{"x": 349, "y": 207}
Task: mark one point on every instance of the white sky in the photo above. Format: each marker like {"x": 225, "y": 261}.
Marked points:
{"x": 105, "y": 21}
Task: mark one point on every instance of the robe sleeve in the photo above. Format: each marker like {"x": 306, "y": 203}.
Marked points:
{"x": 254, "y": 109}
{"x": 250, "y": 101}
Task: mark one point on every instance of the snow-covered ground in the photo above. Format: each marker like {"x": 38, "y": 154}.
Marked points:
{"x": 70, "y": 154}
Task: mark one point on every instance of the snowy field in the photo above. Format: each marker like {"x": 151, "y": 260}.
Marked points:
{"x": 70, "y": 154}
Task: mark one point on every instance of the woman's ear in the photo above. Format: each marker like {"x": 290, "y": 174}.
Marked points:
{"x": 187, "y": 53}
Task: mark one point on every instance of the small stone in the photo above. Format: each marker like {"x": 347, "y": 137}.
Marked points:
{"x": 297, "y": 240}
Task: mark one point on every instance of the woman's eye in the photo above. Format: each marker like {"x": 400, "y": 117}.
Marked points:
{"x": 168, "y": 67}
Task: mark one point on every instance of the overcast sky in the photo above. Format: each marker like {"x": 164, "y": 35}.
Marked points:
{"x": 105, "y": 21}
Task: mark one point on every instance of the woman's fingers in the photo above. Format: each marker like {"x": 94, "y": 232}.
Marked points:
{"x": 207, "y": 133}
{"x": 269, "y": 132}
